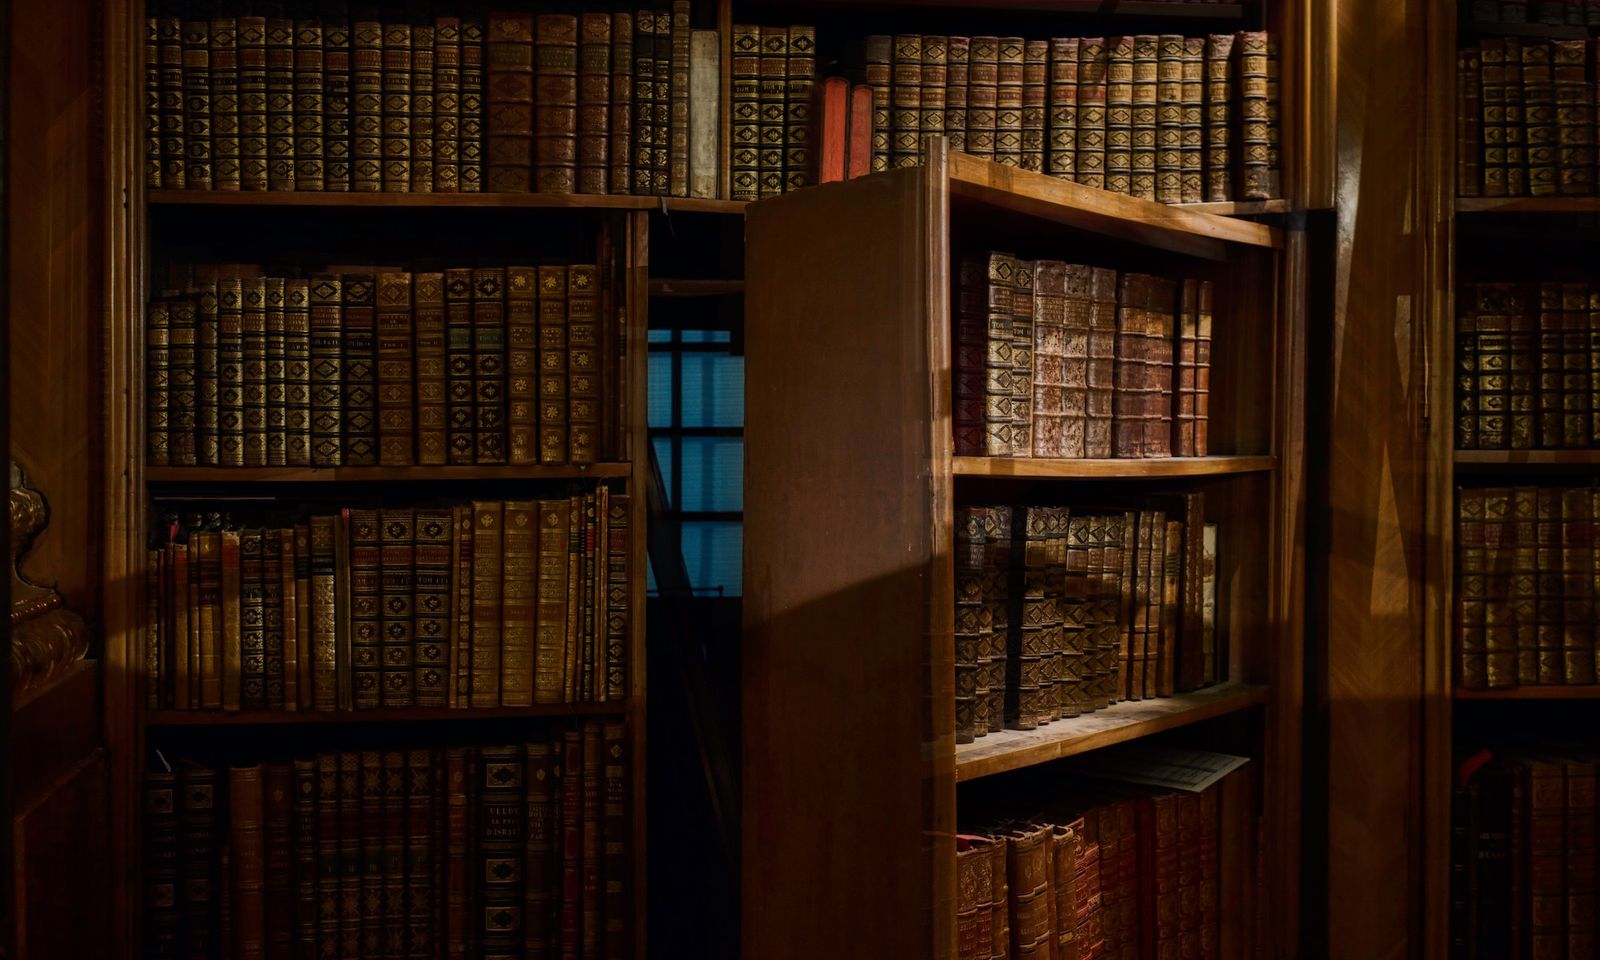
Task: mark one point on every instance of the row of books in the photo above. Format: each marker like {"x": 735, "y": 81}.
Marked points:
{"x": 1525, "y": 120}
{"x": 369, "y": 366}
{"x": 1522, "y": 853}
{"x": 477, "y": 605}
{"x": 1066, "y": 360}
{"x": 1115, "y": 872}
{"x": 492, "y": 851}
{"x": 1526, "y": 582}
{"x": 1061, "y": 612}
{"x": 622, "y": 102}
{"x": 1161, "y": 117}
{"x": 1527, "y": 366}
{"x": 1569, "y": 12}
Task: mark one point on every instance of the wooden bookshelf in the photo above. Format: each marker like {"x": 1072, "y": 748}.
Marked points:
{"x": 177, "y": 476}
{"x": 1239, "y": 208}
{"x": 1119, "y": 723}
{"x": 1546, "y": 31}
{"x": 1479, "y": 459}
{"x": 1552, "y": 692}
{"x": 1552, "y": 205}
{"x": 1097, "y": 8}
{"x": 848, "y": 659}
{"x": 510, "y": 201}
{"x": 284, "y": 718}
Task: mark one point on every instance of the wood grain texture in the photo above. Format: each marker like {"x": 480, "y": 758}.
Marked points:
{"x": 1114, "y": 469}
{"x": 60, "y": 908}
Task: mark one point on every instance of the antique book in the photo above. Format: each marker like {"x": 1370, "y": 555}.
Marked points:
{"x": 454, "y": 923}
{"x": 554, "y": 365}
{"x": 309, "y": 169}
{"x": 905, "y": 120}
{"x": 392, "y": 919}
{"x": 800, "y": 72}
{"x": 1576, "y": 590}
{"x": 1191, "y": 657}
{"x": 206, "y": 555}
{"x": 1466, "y": 369}
{"x": 969, "y": 540}
{"x": 247, "y": 862}
{"x": 422, "y": 898}
{"x": 459, "y": 693}
{"x": 200, "y": 889}
{"x": 983, "y": 95}
{"x": 614, "y": 839}
{"x": 1169, "y": 118}
{"x": 230, "y": 367}
{"x": 594, "y": 101}
{"x": 297, "y": 417}
{"x": 1101, "y": 369}
{"x": 397, "y": 551}
{"x": 1202, "y": 374}
{"x": 1576, "y": 372}
{"x": 584, "y": 363}
{"x": 197, "y": 103}
{"x": 830, "y": 116}
{"x": 1492, "y": 325}
{"x": 253, "y": 364}
{"x": 969, "y": 369}
{"x": 1253, "y": 105}
{"x": 252, "y": 621}
{"x": 1050, "y": 360}
{"x": 1008, "y": 101}
{"x": 958, "y": 59}
{"x": 542, "y": 850}
{"x": 429, "y": 356}
{"x": 1061, "y": 116}
{"x": 1082, "y": 433}
{"x": 1119, "y": 113}
{"x": 152, "y": 102}
{"x": 422, "y": 106}
{"x": 185, "y": 680}
{"x": 1548, "y": 366}
{"x": 571, "y": 842}
{"x": 550, "y": 617}
{"x": 1546, "y": 849}
{"x": 365, "y": 598}
{"x": 278, "y": 792}
{"x": 489, "y": 361}
{"x": 1191, "y": 126}
{"x": 1035, "y": 98}
{"x": 446, "y": 104}
{"x": 305, "y": 859}
{"x": 460, "y": 391}
{"x": 771, "y": 100}
{"x": 345, "y": 921}
{"x": 1081, "y": 676}
{"x": 1147, "y": 70}
{"x": 1022, "y": 359}
{"x": 283, "y": 641}
{"x": 644, "y": 92}
{"x": 555, "y": 101}
{"x": 522, "y": 364}
{"x": 229, "y": 637}
{"x": 174, "y": 158}
{"x": 396, "y": 86}
{"x": 371, "y": 827}
{"x": 509, "y": 103}
{"x": 158, "y": 381}
{"x": 993, "y": 660}
{"x": 1219, "y": 122}
{"x": 431, "y": 629}
{"x": 274, "y": 371}
{"x": 589, "y": 937}
{"x": 1129, "y": 403}
{"x": 1027, "y": 868}
{"x": 1492, "y": 57}
{"x": 470, "y": 153}
{"x": 930, "y": 96}
{"x": 1521, "y": 382}
{"x": 745, "y": 122}
{"x": 1538, "y": 110}
{"x": 395, "y": 351}
{"x": 1025, "y": 664}
{"x": 251, "y": 45}
{"x": 163, "y": 887}
{"x": 1536, "y": 587}
{"x": 336, "y": 102}
{"x": 1089, "y": 158}
{"x": 366, "y": 106}
{"x": 488, "y": 518}
{"x": 1184, "y": 391}
{"x": 324, "y": 680}
{"x": 677, "y": 99}
{"x": 224, "y": 75}
{"x": 1105, "y": 574}
{"x": 519, "y": 524}
{"x": 1171, "y": 567}
{"x": 999, "y": 361}
{"x": 617, "y": 599}
{"x": 1469, "y": 123}
{"x": 661, "y": 103}
{"x": 1160, "y": 330}
{"x": 359, "y": 400}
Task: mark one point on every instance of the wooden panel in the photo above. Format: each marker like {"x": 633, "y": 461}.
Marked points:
{"x": 848, "y": 578}
{"x": 62, "y": 896}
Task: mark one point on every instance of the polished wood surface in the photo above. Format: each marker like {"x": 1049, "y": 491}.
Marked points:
{"x": 291, "y": 198}
{"x": 1487, "y": 205}
{"x": 1583, "y": 692}
{"x": 61, "y": 899}
{"x": 356, "y": 475}
{"x": 1112, "y": 469}
{"x": 1488, "y": 459}
{"x": 1129, "y": 720}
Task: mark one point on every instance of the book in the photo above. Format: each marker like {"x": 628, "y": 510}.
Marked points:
{"x": 489, "y": 360}
{"x": 555, "y": 96}
{"x": 509, "y": 103}
{"x": 197, "y": 104}
{"x": 555, "y": 366}
{"x": 522, "y": 353}
{"x": 488, "y": 520}
{"x": 251, "y": 50}
{"x": 224, "y": 76}
{"x": 905, "y": 121}
{"x": 1061, "y": 119}
{"x": 396, "y": 86}
{"x": 470, "y": 153}
{"x": 518, "y": 577}
{"x": 1009, "y": 71}
{"x": 230, "y": 368}
{"x": 246, "y": 855}
{"x": 422, "y": 107}
{"x": 745, "y": 120}
{"x": 366, "y": 106}
{"x": 958, "y": 59}
{"x": 677, "y": 99}
{"x": 584, "y": 363}
{"x": 1035, "y": 98}
{"x": 661, "y": 105}
{"x": 704, "y": 113}
{"x": 309, "y": 124}
{"x": 983, "y": 95}
{"x": 395, "y": 349}
{"x": 931, "y": 88}
{"x": 551, "y": 609}
{"x": 771, "y": 105}
{"x": 1120, "y": 95}
{"x": 594, "y": 102}
{"x": 336, "y": 101}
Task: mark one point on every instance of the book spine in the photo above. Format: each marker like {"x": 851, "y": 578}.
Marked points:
{"x": 554, "y": 365}
{"x": 1185, "y": 383}
{"x": 197, "y": 104}
{"x": 396, "y": 87}
{"x": 1120, "y": 92}
{"x": 1492, "y": 54}
{"x": 971, "y": 356}
{"x": 617, "y": 599}
{"x": 472, "y": 100}
{"x": 555, "y": 126}
{"x": 1576, "y": 583}
{"x": 705, "y": 98}
{"x": 1253, "y": 106}
{"x": 1547, "y": 844}
{"x": 397, "y": 555}
{"x": 550, "y": 633}
{"x": 1539, "y": 133}
{"x": 446, "y": 104}
{"x": 1536, "y": 584}
{"x": 336, "y": 99}
{"x": 152, "y": 102}
{"x": 366, "y": 106}
{"x": 252, "y": 620}
{"x": 247, "y": 859}
{"x": 297, "y": 392}
{"x": 324, "y": 686}
{"x": 1190, "y": 660}
{"x": 501, "y": 826}
{"x": 1521, "y": 370}
{"x": 460, "y": 419}
{"x": 1169, "y": 119}
{"x": 393, "y": 919}
{"x": 309, "y": 171}
{"x": 428, "y": 317}
{"x": 644, "y": 92}
{"x": 583, "y": 363}
{"x": 431, "y": 627}
{"x": 541, "y": 852}
{"x": 677, "y": 99}
{"x": 621, "y": 119}
{"x": 1469, "y": 123}
{"x": 360, "y": 380}
{"x": 594, "y": 102}
{"x": 1127, "y": 429}
{"x": 1035, "y": 99}
{"x": 1080, "y": 667}
{"x": 661, "y": 102}
{"x": 1025, "y": 599}
{"x": 275, "y": 370}
{"x": 396, "y": 346}
{"x": 455, "y": 924}
{"x": 589, "y": 938}
{"x": 830, "y": 115}
{"x": 983, "y": 95}
{"x": 1191, "y": 127}
{"x": 327, "y": 370}
{"x": 1105, "y": 565}
{"x": 1061, "y": 148}
{"x": 423, "y": 73}
{"x": 488, "y": 517}
{"x": 1466, "y": 368}
{"x": 1575, "y": 369}
{"x": 159, "y": 383}
{"x": 423, "y": 812}
{"x": 253, "y": 367}
{"x": 371, "y": 827}
{"x": 1009, "y": 69}
{"x": 228, "y": 620}
{"x": 1053, "y": 431}
{"x": 230, "y": 368}
{"x": 304, "y": 859}
{"x": 1493, "y": 634}
{"x": 1549, "y": 340}
{"x": 1161, "y": 332}
{"x": 224, "y": 74}
{"x": 1171, "y": 571}
{"x": 801, "y": 70}
{"x": 278, "y": 791}
{"x": 1149, "y": 73}
{"x": 461, "y": 649}
{"x": 330, "y": 851}
{"x": 278, "y": 616}
{"x": 876, "y": 72}
{"x": 163, "y": 887}
{"x": 930, "y": 96}
{"x": 251, "y": 51}
{"x": 1219, "y": 124}
{"x": 1202, "y": 371}
{"x": 517, "y": 603}
{"x": 174, "y": 159}
{"x": 1027, "y": 852}
{"x": 366, "y": 608}
{"x": 968, "y": 608}
{"x": 958, "y": 60}
{"x": 774, "y": 66}
{"x": 522, "y": 364}
{"x": 993, "y": 659}
{"x": 206, "y": 554}
{"x": 614, "y": 838}
{"x": 199, "y": 880}
{"x": 489, "y": 361}
{"x": 1093, "y": 87}
{"x": 998, "y": 361}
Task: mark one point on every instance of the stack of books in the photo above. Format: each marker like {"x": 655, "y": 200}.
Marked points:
{"x": 1525, "y": 118}
{"x": 370, "y": 366}
{"x": 1071, "y": 361}
{"x": 1060, "y": 612}
{"x": 487, "y": 604}
{"x": 419, "y": 851}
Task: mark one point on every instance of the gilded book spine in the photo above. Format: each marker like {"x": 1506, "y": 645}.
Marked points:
{"x": 930, "y": 98}
{"x": 397, "y": 552}
{"x": 1169, "y": 119}
{"x": 246, "y": 856}
{"x": 1049, "y": 351}
{"x": 958, "y": 59}
{"x": 969, "y": 606}
{"x": 1218, "y": 121}
{"x": 158, "y": 382}
{"x": 1061, "y": 145}
{"x": 306, "y": 863}
{"x": 983, "y": 95}
{"x": 1093, "y": 86}
{"x": 614, "y": 835}
{"x": 519, "y": 529}
{"x": 252, "y": 623}
{"x": 197, "y": 103}
{"x": 230, "y": 369}
{"x": 745, "y": 129}
{"x": 472, "y": 101}
{"x": 422, "y": 107}
{"x": 252, "y": 52}
{"x": 206, "y": 378}
{"x": 774, "y": 79}
{"x": 801, "y": 71}
{"x": 542, "y": 852}
{"x": 1008, "y": 101}
{"x": 366, "y": 609}
{"x": 1575, "y": 367}
{"x": 447, "y": 104}
{"x": 309, "y": 168}
{"x": 152, "y": 102}
{"x": 1147, "y": 88}
{"x": 277, "y": 782}
{"x": 276, "y": 373}
{"x": 678, "y": 100}
{"x": 360, "y": 439}
{"x": 420, "y": 907}
{"x": 661, "y": 101}
{"x": 594, "y": 101}
{"x": 553, "y": 383}
{"x": 396, "y": 86}
{"x": 583, "y": 363}
{"x": 463, "y": 646}
{"x": 644, "y": 93}
{"x": 224, "y": 104}
{"x": 1469, "y": 122}
{"x": 522, "y": 364}
{"x": 1548, "y": 370}
{"x": 228, "y": 620}
{"x": 488, "y": 355}
{"x": 550, "y": 636}
{"x": 396, "y": 348}
{"x": 366, "y": 106}
{"x": 324, "y": 678}
{"x": 460, "y": 420}
{"x": 272, "y": 619}
{"x": 1191, "y": 127}
{"x": 620, "y": 122}
{"x": 876, "y": 72}
{"x": 998, "y": 361}
{"x": 1035, "y": 98}
{"x": 486, "y": 602}
{"x": 555, "y": 127}
{"x": 1539, "y": 116}
{"x": 183, "y": 392}
{"x": 336, "y": 94}
{"x": 297, "y": 370}
{"x": 1121, "y": 91}
{"x": 432, "y": 383}
{"x": 618, "y": 598}
{"x": 253, "y": 339}
{"x": 1076, "y": 358}
{"x": 501, "y": 826}
{"x": 431, "y": 600}
{"x": 174, "y": 166}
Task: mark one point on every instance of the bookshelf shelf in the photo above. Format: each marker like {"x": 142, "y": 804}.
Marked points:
{"x": 1468, "y": 459}
{"x": 291, "y": 198}
{"x": 1238, "y": 208}
{"x": 1552, "y": 692}
{"x": 1099, "y": 8}
{"x": 1569, "y": 205}
{"x": 1015, "y": 749}
{"x": 1549, "y": 31}
{"x": 695, "y": 288}
{"x": 350, "y": 475}
{"x": 1111, "y": 469}
{"x": 252, "y": 718}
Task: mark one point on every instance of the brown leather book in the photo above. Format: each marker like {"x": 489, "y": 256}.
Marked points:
{"x": 456, "y": 920}
{"x": 1119, "y": 99}
{"x": 1548, "y": 373}
{"x": 366, "y": 605}
{"x": 1492, "y": 324}
{"x": 304, "y": 859}
{"x": 247, "y": 859}
{"x": 224, "y": 75}
{"x": 1489, "y": 510}
{"x": 278, "y": 791}
{"x": 614, "y": 838}
{"x": 1043, "y": 638}
{"x": 1539, "y": 117}
{"x": 1000, "y": 362}
{"x": 272, "y": 609}
{"x": 473, "y": 100}
{"x": 1185, "y": 391}
{"x": 336, "y": 102}
{"x": 1191, "y": 127}
{"x": 644, "y": 92}
{"x": 252, "y": 623}
{"x": 958, "y": 60}
{"x": 1049, "y": 357}
{"x": 571, "y": 798}
{"x": 1171, "y": 611}
{"x": 520, "y": 529}
{"x": 1219, "y": 123}
{"x": 370, "y": 826}
{"x": 522, "y": 364}
{"x": 1144, "y": 603}
{"x": 593, "y": 101}
{"x": 1253, "y": 120}
{"x": 359, "y": 428}
{"x": 1100, "y": 624}
{"x": 661, "y": 103}
{"x": 906, "y": 90}
{"x": 617, "y": 598}
{"x": 227, "y": 611}
{"x": 396, "y": 87}
{"x": 157, "y": 338}
{"x": 422, "y": 107}
{"x": 200, "y": 885}
{"x": 1576, "y": 372}
{"x": 489, "y": 364}
{"x": 295, "y": 594}
{"x": 297, "y": 392}
{"x": 277, "y": 411}
{"x": 394, "y": 917}
{"x": 253, "y": 356}
{"x": 1536, "y": 587}
{"x": 1027, "y": 868}
{"x": 428, "y": 317}
{"x": 970, "y": 697}
{"x": 366, "y": 106}
{"x": 1492, "y": 56}
{"x": 251, "y": 53}
{"x": 983, "y": 95}
{"x": 461, "y": 557}
{"x": 876, "y": 56}
{"x": 1099, "y": 400}
{"x": 554, "y": 365}
{"x": 204, "y": 290}
{"x": 430, "y": 605}
{"x": 620, "y": 120}
{"x": 509, "y": 116}
{"x": 1132, "y": 351}
{"x": 830, "y": 116}
{"x": 1011, "y": 54}
{"x": 744, "y": 129}
{"x": 678, "y": 37}
{"x": 309, "y": 169}
{"x": 800, "y": 73}
{"x": 930, "y": 97}
{"x": 330, "y": 845}
{"x": 152, "y": 102}
{"x": 177, "y": 578}
{"x": 771, "y": 129}
{"x": 1469, "y": 122}
{"x": 230, "y": 367}
{"x": 324, "y": 676}
{"x": 1025, "y": 602}
{"x": 183, "y": 384}
{"x": 1466, "y": 368}
{"x": 446, "y": 104}
{"x": 1085, "y": 374}
{"x": 460, "y": 392}
{"x": 163, "y": 885}
{"x": 1160, "y": 333}
{"x": 1035, "y": 97}
{"x": 1191, "y": 666}
{"x": 1574, "y": 119}
{"x": 486, "y": 602}
{"x": 541, "y": 850}
{"x": 1576, "y": 583}
{"x": 993, "y": 658}
{"x": 169, "y": 37}
{"x": 397, "y": 551}
{"x": 422, "y": 900}
{"x": 1089, "y": 158}
{"x": 1169, "y": 119}
{"x": 584, "y": 363}
{"x": 592, "y": 655}
{"x": 555, "y": 94}
{"x": 1547, "y": 845}
{"x": 1202, "y": 374}
{"x": 1061, "y": 114}
{"x": 1118, "y": 565}
{"x": 551, "y": 677}
{"x": 396, "y": 349}
{"x": 590, "y": 918}
{"x": 197, "y": 103}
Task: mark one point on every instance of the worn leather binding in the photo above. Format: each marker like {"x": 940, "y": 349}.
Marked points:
{"x": 1147, "y": 88}
{"x": 570, "y": 919}
{"x": 252, "y": 620}
{"x": 661, "y": 104}
{"x": 993, "y": 653}
{"x": 1022, "y": 359}
{"x": 999, "y": 362}
{"x": 488, "y": 355}
{"x": 1009, "y": 70}
{"x": 197, "y": 103}
{"x": 1191, "y": 657}
{"x": 1546, "y": 793}
{"x": 830, "y": 116}
{"x": 462, "y": 646}
{"x": 456, "y": 924}
{"x": 1202, "y": 355}
{"x": 366, "y": 106}
{"x": 1469, "y": 123}
{"x": 1160, "y": 330}
{"x": 1171, "y": 610}
{"x": 573, "y": 638}
{"x": 1219, "y": 120}
{"x": 395, "y": 351}
{"x": 1169, "y": 119}
{"x": 501, "y": 824}
{"x": 958, "y": 60}
{"x": 246, "y": 859}
{"x": 339, "y": 843}
{"x": 590, "y": 882}
{"x": 304, "y": 859}
{"x": 1253, "y": 122}
{"x": 1575, "y": 368}
{"x": 366, "y": 609}
{"x": 418, "y": 908}
{"x": 1120, "y": 89}
{"x": 488, "y": 520}
{"x": 336, "y": 101}
{"x": 429, "y": 357}
{"x": 170, "y": 78}
{"x": 152, "y": 102}
{"x": 983, "y": 95}
{"x": 905, "y": 95}
{"x": 1089, "y": 158}
{"x": 1576, "y": 587}
{"x": 745, "y": 124}
{"x": 230, "y": 368}
{"x": 1191, "y": 125}
{"x": 1501, "y": 635}
{"x": 1050, "y": 387}
{"x": 396, "y": 86}
{"x": 554, "y": 366}
{"x": 251, "y": 53}
{"x": 158, "y": 381}
{"x": 1026, "y": 663}
{"x": 1105, "y": 567}
{"x": 397, "y": 546}
{"x": 522, "y": 363}
{"x": 1035, "y": 97}
{"x": 224, "y": 75}
{"x": 473, "y": 100}
{"x": 614, "y": 840}
{"x": 1548, "y": 366}
{"x": 309, "y": 171}
{"x": 202, "y": 290}
{"x": 971, "y": 695}
{"x": 541, "y": 850}
{"x": 594, "y": 101}
{"x": 1132, "y": 353}
{"x": 1080, "y": 377}
{"x": 584, "y": 363}
{"x": 446, "y": 104}
{"x": 1061, "y": 115}
{"x": 1101, "y": 364}
{"x": 617, "y": 587}
{"x": 551, "y": 604}
{"x": 323, "y": 691}
{"x": 360, "y": 428}
{"x": 275, "y": 371}
{"x": 509, "y": 120}
{"x": 295, "y": 592}
{"x": 460, "y": 391}
{"x": 1492, "y": 54}
{"x": 1028, "y": 871}
{"x": 555, "y": 102}
{"x": 197, "y": 878}
{"x": 1521, "y": 376}
{"x": 1082, "y": 662}
{"x": 517, "y": 603}
{"x": 1186, "y": 381}
{"x": 1473, "y": 594}
{"x": 971, "y": 352}
{"x": 800, "y": 73}
{"x": 931, "y": 95}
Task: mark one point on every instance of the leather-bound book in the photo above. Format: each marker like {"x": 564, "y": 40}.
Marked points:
{"x": 1079, "y": 637}
{"x": 309, "y": 171}
{"x": 620, "y": 120}
{"x": 320, "y": 845}
{"x": 590, "y": 918}
{"x": 614, "y": 840}
{"x": 618, "y": 588}
{"x": 1081, "y": 435}
{"x": 422, "y": 106}
{"x": 397, "y": 553}
{"x": 550, "y": 633}
{"x": 1010, "y": 56}
{"x": 677, "y": 99}
{"x": 283, "y": 644}
{"x": 370, "y": 828}
{"x": 277, "y": 791}
{"x": 830, "y": 115}
{"x": 152, "y": 102}
{"x": 930, "y": 98}
{"x": 366, "y": 605}
{"x": 661, "y": 103}
{"x": 509, "y": 120}
{"x": 253, "y": 339}
{"x": 184, "y": 678}
{"x": 1190, "y": 655}
{"x": 594, "y": 101}
{"x": 555, "y": 102}
{"x": 1574, "y": 117}
{"x": 360, "y": 379}
{"x": 304, "y": 860}
{"x": 1000, "y": 923}
{"x": 517, "y": 603}
{"x": 542, "y": 850}
{"x": 428, "y": 316}
{"x": 905, "y": 96}
{"x": 200, "y": 882}
{"x": 1105, "y": 569}
{"x": 366, "y": 106}
{"x": 273, "y": 372}
{"x": 1493, "y": 325}
{"x": 169, "y": 37}
{"x": 1128, "y": 405}
{"x": 1061, "y": 115}
{"x": 1141, "y": 656}
{"x": 554, "y": 365}
{"x": 876, "y": 56}
{"x": 800, "y": 72}
{"x": 958, "y": 61}
{"x": 446, "y": 104}
{"x": 229, "y": 619}
{"x": 1185, "y": 389}
{"x": 1219, "y": 94}
{"x": 488, "y": 517}
{"x": 224, "y": 74}
{"x": 983, "y": 93}
{"x": 999, "y": 362}
{"x": 1469, "y": 122}
{"x": 489, "y": 360}
{"x": 1171, "y": 568}
{"x": 1120, "y": 90}
{"x": 1049, "y": 357}
{"x": 1498, "y": 625}
{"x": 396, "y": 86}
{"x": 247, "y": 863}
{"x": 1161, "y": 331}
{"x": 1024, "y": 667}
{"x": 745, "y": 127}
{"x": 1191, "y": 124}
{"x": 338, "y": 851}
{"x": 460, "y": 391}
{"x": 1546, "y": 848}
{"x": 771, "y": 105}
{"x": 570, "y": 922}
{"x": 162, "y": 864}
{"x": 197, "y": 103}
{"x": 456, "y": 920}
{"x": 1022, "y": 359}
{"x": 473, "y": 100}
{"x": 324, "y": 676}
{"x": 522, "y": 363}
{"x": 1575, "y": 369}
{"x": 252, "y": 623}
{"x": 1539, "y": 117}
{"x": 1577, "y": 590}
{"x": 430, "y": 606}
{"x": 1580, "y": 853}
{"x": 1466, "y": 368}
{"x": 461, "y": 609}
{"x": 593, "y": 547}
{"x": 1169, "y": 119}
{"x": 1492, "y": 57}
{"x": 584, "y": 363}
{"x": 251, "y": 53}
{"x": 395, "y": 350}
{"x": 422, "y": 864}
{"x": 158, "y": 381}
{"x": 1536, "y": 581}
{"x": 971, "y": 352}
{"x": 296, "y": 369}
{"x": 970, "y": 696}
{"x": 1211, "y": 652}
{"x": 1041, "y": 620}
{"x": 644, "y": 92}
{"x": 336, "y": 100}
{"x": 206, "y": 575}
{"x": 1147, "y": 87}
{"x": 1202, "y": 374}
{"x": 992, "y": 652}
{"x": 327, "y": 381}
{"x": 1521, "y": 369}
{"x": 1101, "y": 365}
{"x": 1093, "y": 87}
{"x": 1548, "y": 366}
{"x": 1035, "y": 99}
{"x": 1253, "y": 101}
{"x": 1027, "y": 868}
{"x": 230, "y": 367}
{"x": 393, "y": 918}
{"x": 1593, "y": 336}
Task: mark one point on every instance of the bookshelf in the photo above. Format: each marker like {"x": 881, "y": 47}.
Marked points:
{"x": 849, "y": 571}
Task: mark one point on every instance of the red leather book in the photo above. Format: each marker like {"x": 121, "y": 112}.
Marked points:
{"x": 858, "y": 133}
{"x": 832, "y": 118}
{"x": 974, "y": 898}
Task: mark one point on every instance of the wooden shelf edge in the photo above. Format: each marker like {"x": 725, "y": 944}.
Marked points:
{"x": 251, "y": 718}
{"x": 1569, "y": 205}
{"x": 665, "y": 287}
{"x": 1237, "y": 208}
{"x": 1016, "y": 749}
{"x": 1124, "y": 469}
{"x": 1495, "y": 28}
{"x": 315, "y": 475}
{"x": 1145, "y": 221}
{"x": 1527, "y": 458}
{"x": 1098, "y": 8}
{"x": 1551, "y": 692}
{"x": 292, "y": 198}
